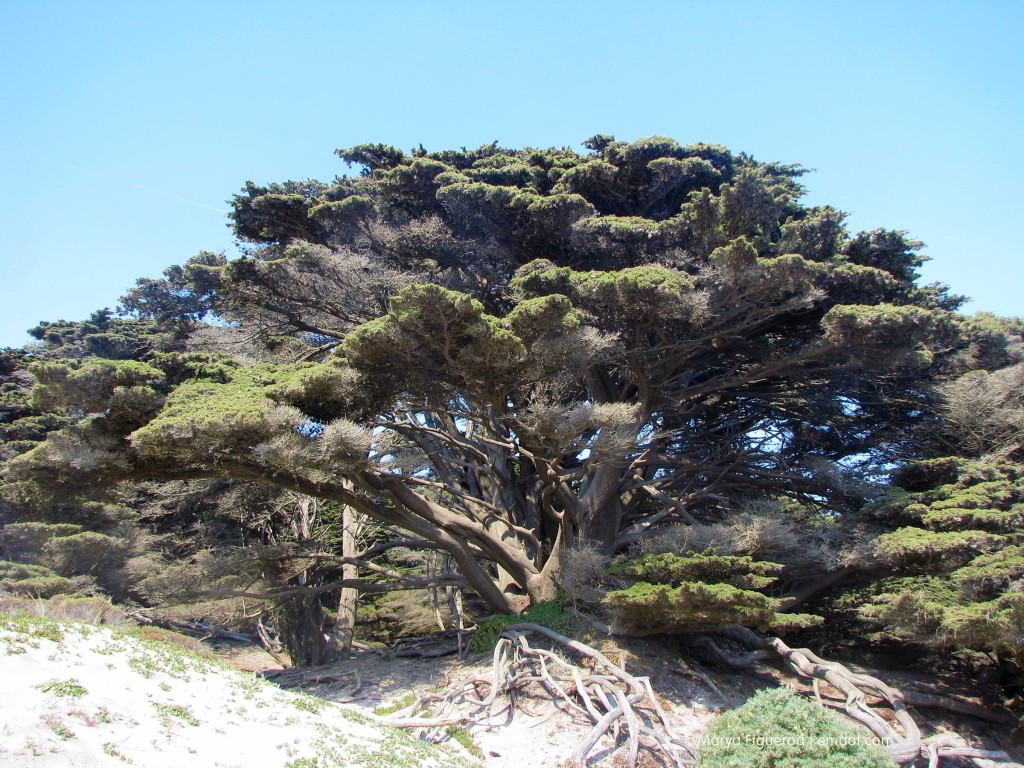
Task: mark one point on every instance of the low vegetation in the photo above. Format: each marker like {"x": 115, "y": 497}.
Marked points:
{"x": 777, "y": 728}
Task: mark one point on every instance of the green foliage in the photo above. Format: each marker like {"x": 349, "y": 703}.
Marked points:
{"x": 178, "y": 301}
{"x": 406, "y": 701}
{"x": 177, "y": 711}
{"x": 548, "y": 614}
{"x": 698, "y": 592}
{"x": 434, "y": 336}
{"x": 884, "y": 329}
{"x": 469, "y": 344}
{"x": 67, "y": 608}
{"x": 961, "y": 562}
{"x": 742, "y": 571}
{"x": 101, "y": 336}
{"x": 917, "y": 548}
{"x": 31, "y": 580}
{"x": 125, "y": 388}
{"x": 777, "y": 729}
{"x": 55, "y": 558}
{"x": 462, "y": 735}
{"x": 216, "y": 418}
{"x": 306, "y": 703}
{"x": 22, "y": 425}
{"x": 69, "y": 688}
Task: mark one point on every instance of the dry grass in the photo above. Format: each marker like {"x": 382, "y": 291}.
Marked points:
{"x": 763, "y": 531}
{"x": 580, "y": 574}
{"x": 91, "y": 610}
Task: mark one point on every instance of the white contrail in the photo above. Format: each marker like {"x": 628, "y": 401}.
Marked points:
{"x": 143, "y": 187}
{"x": 126, "y": 183}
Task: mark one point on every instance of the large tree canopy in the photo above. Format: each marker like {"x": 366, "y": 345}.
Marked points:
{"x": 505, "y": 352}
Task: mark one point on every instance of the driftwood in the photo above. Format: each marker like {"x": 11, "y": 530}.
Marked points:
{"x": 616, "y": 702}
{"x": 445, "y": 643}
{"x": 201, "y": 629}
{"x": 906, "y": 744}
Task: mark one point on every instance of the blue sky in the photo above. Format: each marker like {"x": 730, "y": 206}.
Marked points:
{"x": 125, "y": 126}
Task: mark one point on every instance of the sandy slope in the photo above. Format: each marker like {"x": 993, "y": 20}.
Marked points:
{"x": 81, "y": 695}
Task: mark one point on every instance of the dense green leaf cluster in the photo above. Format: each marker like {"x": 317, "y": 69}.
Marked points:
{"x": 777, "y": 729}
{"x": 699, "y": 592}
{"x": 962, "y": 553}
{"x": 548, "y": 614}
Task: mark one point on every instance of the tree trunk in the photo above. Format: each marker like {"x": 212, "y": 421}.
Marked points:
{"x": 603, "y": 509}
{"x": 303, "y": 625}
{"x": 345, "y": 624}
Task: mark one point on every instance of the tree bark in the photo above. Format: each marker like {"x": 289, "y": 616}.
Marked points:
{"x": 304, "y": 631}
{"x": 348, "y": 602}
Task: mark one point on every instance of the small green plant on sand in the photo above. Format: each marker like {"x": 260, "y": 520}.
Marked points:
{"x": 307, "y": 703}
{"x": 462, "y": 735}
{"x": 387, "y": 709}
{"x": 63, "y": 688}
{"x": 111, "y": 749}
{"x": 179, "y": 711}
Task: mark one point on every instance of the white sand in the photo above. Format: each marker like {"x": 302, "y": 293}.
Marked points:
{"x": 80, "y": 695}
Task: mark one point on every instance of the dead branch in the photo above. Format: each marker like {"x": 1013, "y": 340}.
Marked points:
{"x": 203, "y": 630}
{"x": 979, "y": 711}
{"x": 614, "y": 700}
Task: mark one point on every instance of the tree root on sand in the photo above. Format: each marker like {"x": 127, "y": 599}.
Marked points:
{"x": 618, "y": 703}
{"x": 904, "y": 747}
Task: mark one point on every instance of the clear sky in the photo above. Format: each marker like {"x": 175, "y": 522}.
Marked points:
{"x": 125, "y": 126}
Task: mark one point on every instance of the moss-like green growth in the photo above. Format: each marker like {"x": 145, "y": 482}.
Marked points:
{"x": 777, "y": 729}
{"x": 548, "y": 614}
{"x": 742, "y": 571}
{"x": 697, "y": 592}
{"x": 962, "y": 558}
{"x": 31, "y": 580}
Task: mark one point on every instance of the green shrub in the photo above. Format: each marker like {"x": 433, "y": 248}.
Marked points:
{"x": 87, "y": 552}
{"x": 549, "y": 614}
{"x": 31, "y": 580}
{"x": 24, "y": 541}
{"x": 959, "y": 563}
{"x": 699, "y": 591}
{"x": 778, "y": 729}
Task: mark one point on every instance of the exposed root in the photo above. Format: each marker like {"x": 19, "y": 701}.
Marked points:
{"x": 904, "y": 747}
{"x": 308, "y": 678}
{"x": 619, "y": 704}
